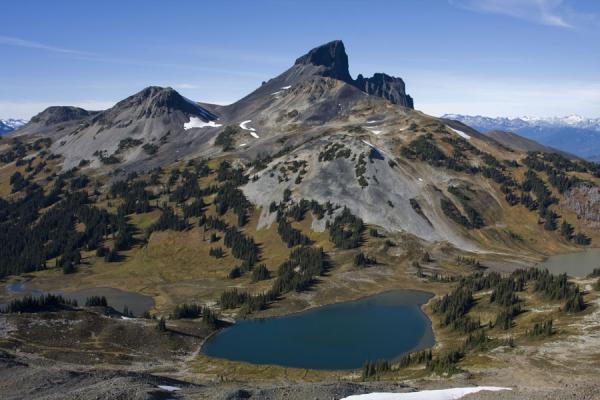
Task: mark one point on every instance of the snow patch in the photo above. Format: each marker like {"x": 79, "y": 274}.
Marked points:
{"x": 461, "y": 133}
{"x": 375, "y": 132}
{"x": 286, "y": 87}
{"x": 442, "y": 394}
{"x": 252, "y": 131}
{"x": 196, "y": 122}
{"x": 169, "y": 388}
{"x": 369, "y": 144}
{"x": 243, "y": 144}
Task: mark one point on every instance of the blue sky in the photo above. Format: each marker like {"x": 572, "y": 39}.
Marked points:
{"x": 489, "y": 57}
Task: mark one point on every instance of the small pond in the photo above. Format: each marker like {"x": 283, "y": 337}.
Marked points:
{"x": 338, "y": 336}
{"x": 578, "y": 264}
{"x": 116, "y": 298}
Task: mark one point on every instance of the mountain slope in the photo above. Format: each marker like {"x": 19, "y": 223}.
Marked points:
{"x": 573, "y": 134}
{"x": 315, "y": 91}
{"x": 438, "y": 180}
{"x": 129, "y": 132}
{"x": 520, "y": 143}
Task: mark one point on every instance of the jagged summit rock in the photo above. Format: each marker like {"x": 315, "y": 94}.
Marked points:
{"x": 331, "y": 61}
{"x": 332, "y": 57}
{"x": 386, "y": 86}
{"x": 157, "y": 125}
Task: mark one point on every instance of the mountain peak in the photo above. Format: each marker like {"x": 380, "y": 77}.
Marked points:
{"x": 332, "y": 56}
{"x": 58, "y": 114}
{"x": 331, "y": 61}
{"x": 154, "y": 101}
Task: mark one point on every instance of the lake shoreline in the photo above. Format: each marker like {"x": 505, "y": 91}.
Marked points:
{"x": 395, "y": 309}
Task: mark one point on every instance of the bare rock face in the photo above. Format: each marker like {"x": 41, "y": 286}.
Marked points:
{"x": 332, "y": 57}
{"x": 59, "y": 114}
{"x": 332, "y": 62}
{"x": 154, "y": 117}
{"x": 153, "y": 102}
{"x": 584, "y": 200}
{"x": 388, "y": 87}
{"x": 380, "y": 195}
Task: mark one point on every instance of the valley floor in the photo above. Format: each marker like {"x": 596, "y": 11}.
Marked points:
{"x": 565, "y": 366}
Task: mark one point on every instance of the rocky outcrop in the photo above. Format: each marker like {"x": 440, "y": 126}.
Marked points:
{"x": 332, "y": 58}
{"x": 584, "y": 200}
{"x": 60, "y": 114}
{"x": 152, "y": 102}
{"x": 156, "y": 101}
{"x": 388, "y": 87}
{"x": 331, "y": 61}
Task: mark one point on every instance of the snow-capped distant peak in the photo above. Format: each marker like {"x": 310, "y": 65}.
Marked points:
{"x": 574, "y": 119}
{"x": 10, "y": 124}
{"x": 506, "y": 123}
{"x": 14, "y": 123}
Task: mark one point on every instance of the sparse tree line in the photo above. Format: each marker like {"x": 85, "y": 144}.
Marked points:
{"x": 296, "y": 274}
{"x": 30, "y": 238}
{"x": 453, "y": 308}
{"x": 554, "y": 165}
{"x": 346, "y": 230}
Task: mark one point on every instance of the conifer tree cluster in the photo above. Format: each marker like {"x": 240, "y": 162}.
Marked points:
{"x": 346, "y": 230}
{"x": 226, "y": 138}
{"x": 168, "y": 220}
{"x": 187, "y": 311}
{"x": 375, "y": 369}
{"x": 543, "y": 329}
{"x": 216, "y": 252}
{"x": 30, "y": 237}
{"x": 230, "y": 197}
{"x": 242, "y": 246}
{"x": 260, "y": 273}
{"x": 96, "y": 301}
{"x": 298, "y": 273}
{"x": 361, "y": 260}
{"x": 194, "y": 209}
{"x": 226, "y": 172}
{"x": 291, "y": 236}
{"x": 33, "y": 304}
{"x": 250, "y": 303}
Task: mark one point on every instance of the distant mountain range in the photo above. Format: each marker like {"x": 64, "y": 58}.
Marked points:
{"x": 11, "y": 124}
{"x": 573, "y": 134}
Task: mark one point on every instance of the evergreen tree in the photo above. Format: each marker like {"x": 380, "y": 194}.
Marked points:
{"x": 161, "y": 325}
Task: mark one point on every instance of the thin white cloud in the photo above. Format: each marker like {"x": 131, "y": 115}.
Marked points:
{"x": 185, "y": 86}
{"x": 17, "y": 42}
{"x": 454, "y": 94}
{"x": 557, "y": 13}
{"x": 93, "y": 57}
{"x": 27, "y": 109}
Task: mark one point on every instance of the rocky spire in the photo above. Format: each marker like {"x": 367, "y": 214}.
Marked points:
{"x": 332, "y": 56}
{"x": 332, "y": 62}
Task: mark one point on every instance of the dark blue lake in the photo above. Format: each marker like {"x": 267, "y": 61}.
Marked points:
{"x": 338, "y": 336}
